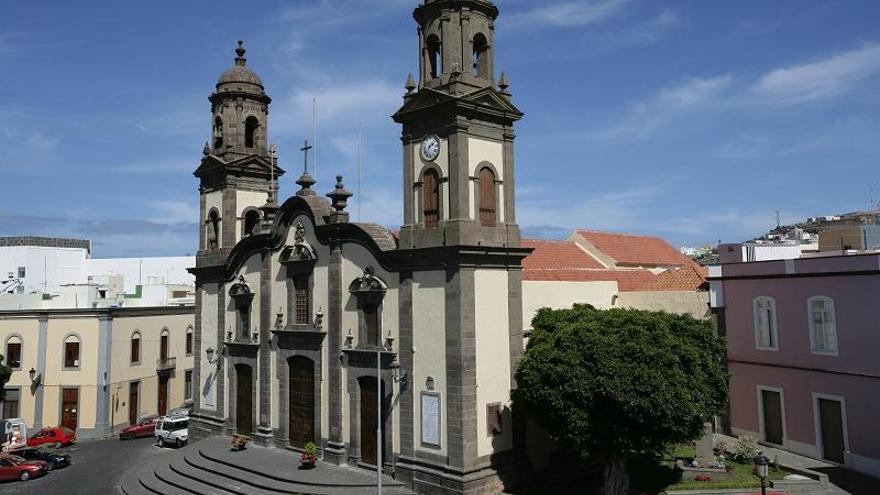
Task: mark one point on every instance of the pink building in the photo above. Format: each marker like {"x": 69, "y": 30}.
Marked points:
{"x": 804, "y": 354}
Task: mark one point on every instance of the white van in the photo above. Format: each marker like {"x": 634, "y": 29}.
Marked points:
{"x": 172, "y": 430}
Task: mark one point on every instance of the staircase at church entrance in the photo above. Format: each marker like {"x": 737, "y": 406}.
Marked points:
{"x": 208, "y": 467}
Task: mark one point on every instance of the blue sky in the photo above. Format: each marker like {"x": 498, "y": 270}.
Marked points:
{"x": 695, "y": 121}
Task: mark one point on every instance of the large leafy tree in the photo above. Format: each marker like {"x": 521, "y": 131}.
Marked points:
{"x": 5, "y": 373}
{"x": 618, "y": 384}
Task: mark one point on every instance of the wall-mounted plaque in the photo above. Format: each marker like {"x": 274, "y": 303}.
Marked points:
{"x": 431, "y": 419}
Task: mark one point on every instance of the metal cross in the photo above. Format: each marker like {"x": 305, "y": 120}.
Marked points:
{"x": 305, "y": 149}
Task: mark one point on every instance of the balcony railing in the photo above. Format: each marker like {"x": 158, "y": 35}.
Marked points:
{"x": 166, "y": 364}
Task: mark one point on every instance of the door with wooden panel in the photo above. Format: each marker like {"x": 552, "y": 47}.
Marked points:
{"x": 369, "y": 419}
{"x": 831, "y": 424}
{"x": 134, "y": 389}
{"x": 244, "y": 401}
{"x": 69, "y": 408}
{"x": 772, "y": 404}
{"x": 162, "y": 407}
{"x": 302, "y": 401}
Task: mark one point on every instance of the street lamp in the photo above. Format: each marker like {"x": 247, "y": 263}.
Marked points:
{"x": 36, "y": 380}
{"x": 210, "y": 353}
{"x": 761, "y": 463}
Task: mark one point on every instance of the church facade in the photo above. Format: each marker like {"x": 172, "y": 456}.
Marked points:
{"x": 312, "y": 328}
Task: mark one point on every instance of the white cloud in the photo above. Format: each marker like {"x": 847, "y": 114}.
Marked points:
{"x": 819, "y": 80}
{"x": 669, "y": 104}
{"x": 571, "y": 13}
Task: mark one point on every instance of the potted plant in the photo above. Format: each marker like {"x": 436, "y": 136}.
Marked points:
{"x": 238, "y": 442}
{"x": 309, "y": 456}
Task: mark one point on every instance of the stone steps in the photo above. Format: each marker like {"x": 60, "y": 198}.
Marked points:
{"x": 208, "y": 468}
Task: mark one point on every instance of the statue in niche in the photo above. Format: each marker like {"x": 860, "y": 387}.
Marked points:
{"x": 301, "y": 249}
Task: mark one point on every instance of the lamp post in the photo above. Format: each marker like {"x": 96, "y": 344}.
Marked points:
{"x": 379, "y": 399}
{"x": 761, "y": 463}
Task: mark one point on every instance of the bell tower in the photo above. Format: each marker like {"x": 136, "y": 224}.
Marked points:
{"x": 238, "y": 172}
{"x": 458, "y": 133}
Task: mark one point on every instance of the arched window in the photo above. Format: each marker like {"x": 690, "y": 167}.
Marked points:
{"x": 431, "y": 198}
{"x": 13, "y": 352}
{"x": 823, "y": 326}
{"x": 488, "y": 217}
{"x": 136, "y": 348}
{"x": 189, "y": 341}
{"x": 766, "y": 336}
{"x": 481, "y": 56}
{"x": 218, "y": 133}
{"x": 251, "y": 220}
{"x": 163, "y": 345}
{"x": 71, "y": 352}
{"x": 435, "y": 59}
{"x": 213, "y": 230}
{"x": 302, "y": 312}
{"x": 251, "y": 124}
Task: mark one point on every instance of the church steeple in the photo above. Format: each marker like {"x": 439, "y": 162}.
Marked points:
{"x": 458, "y": 133}
{"x": 238, "y": 172}
{"x": 456, "y": 42}
{"x": 240, "y": 109}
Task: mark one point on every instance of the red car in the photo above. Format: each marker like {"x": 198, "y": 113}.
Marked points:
{"x": 15, "y": 468}
{"x": 55, "y": 436}
{"x": 145, "y": 427}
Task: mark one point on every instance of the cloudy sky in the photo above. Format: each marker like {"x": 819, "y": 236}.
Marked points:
{"x": 695, "y": 121}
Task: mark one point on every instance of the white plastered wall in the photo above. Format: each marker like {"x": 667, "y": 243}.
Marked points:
{"x": 484, "y": 150}
{"x": 539, "y": 294}
{"x": 429, "y": 347}
{"x": 493, "y": 356}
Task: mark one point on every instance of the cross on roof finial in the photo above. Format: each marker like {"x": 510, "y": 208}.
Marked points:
{"x": 305, "y": 149}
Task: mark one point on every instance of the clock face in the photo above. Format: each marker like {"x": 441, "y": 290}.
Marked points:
{"x": 430, "y": 147}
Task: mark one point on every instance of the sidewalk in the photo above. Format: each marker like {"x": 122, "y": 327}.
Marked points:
{"x": 838, "y": 480}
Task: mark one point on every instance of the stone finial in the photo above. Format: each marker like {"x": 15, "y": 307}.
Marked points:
{"x": 206, "y": 150}
{"x": 410, "y": 84}
{"x": 305, "y": 182}
{"x": 504, "y": 83}
{"x": 240, "y": 51}
{"x": 339, "y": 200}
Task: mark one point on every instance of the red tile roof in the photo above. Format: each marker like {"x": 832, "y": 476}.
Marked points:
{"x": 557, "y": 255}
{"x": 689, "y": 278}
{"x": 564, "y": 261}
{"x": 637, "y": 250}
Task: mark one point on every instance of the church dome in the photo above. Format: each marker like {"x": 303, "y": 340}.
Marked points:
{"x": 239, "y": 74}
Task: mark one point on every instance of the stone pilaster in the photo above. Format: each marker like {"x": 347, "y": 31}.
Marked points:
{"x": 334, "y": 451}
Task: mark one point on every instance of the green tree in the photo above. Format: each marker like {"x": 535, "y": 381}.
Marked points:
{"x": 5, "y": 373}
{"x": 619, "y": 384}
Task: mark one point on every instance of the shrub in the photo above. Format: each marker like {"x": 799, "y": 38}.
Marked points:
{"x": 745, "y": 449}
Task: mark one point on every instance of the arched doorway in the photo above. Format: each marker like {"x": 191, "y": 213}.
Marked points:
{"x": 301, "y": 405}
{"x": 368, "y": 423}
{"x": 244, "y": 401}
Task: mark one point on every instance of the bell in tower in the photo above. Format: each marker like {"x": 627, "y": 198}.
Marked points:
{"x": 238, "y": 173}
{"x": 458, "y": 133}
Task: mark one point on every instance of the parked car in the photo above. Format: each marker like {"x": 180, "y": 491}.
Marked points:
{"x": 15, "y": 468}
{"x": 56, "y": 436}
{"x": 172, "y": 430}
{"x": 53, "y": 459}
{"x": 145, "y": 427}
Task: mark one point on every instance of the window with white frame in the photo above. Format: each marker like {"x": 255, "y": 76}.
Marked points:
{"x": 765, "y": 323}
{"x": 823, "y": 328}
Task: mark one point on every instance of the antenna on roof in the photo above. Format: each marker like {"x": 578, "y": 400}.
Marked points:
{"x": 315, "y": 133}
{"x": 778, "y": 223}
{"x": 360, "y": 144}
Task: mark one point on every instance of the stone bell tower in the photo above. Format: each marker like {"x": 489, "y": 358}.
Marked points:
{"x": 236, "y": 173}
{"x": 458, "y": 133}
